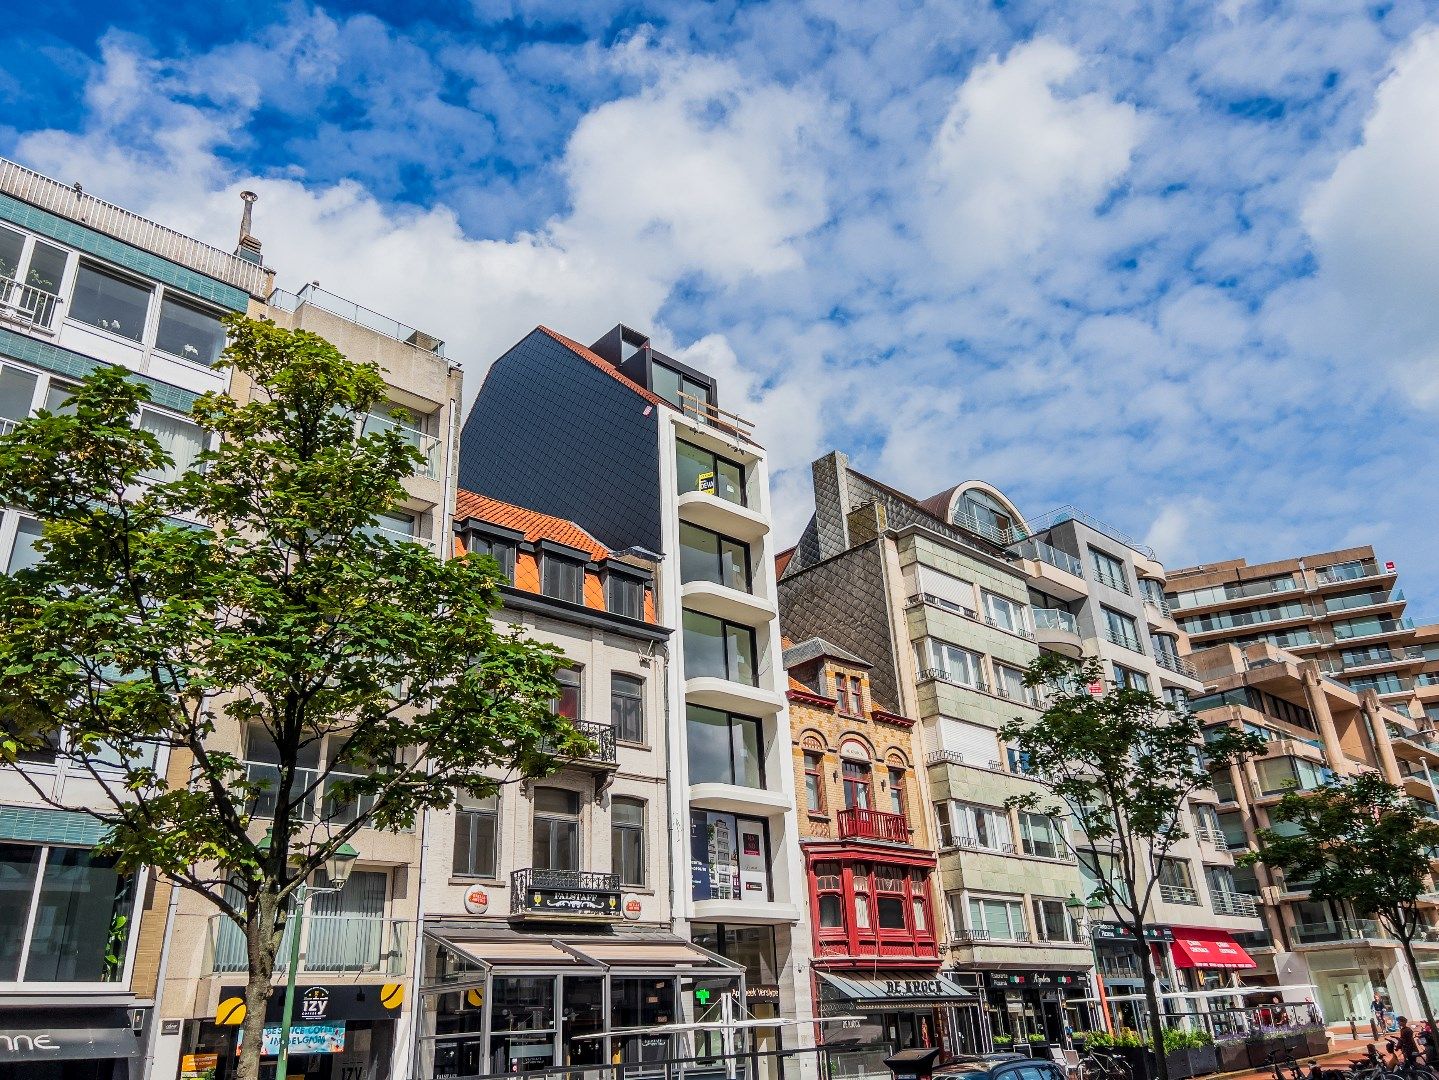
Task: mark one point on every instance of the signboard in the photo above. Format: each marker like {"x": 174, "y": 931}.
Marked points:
{"x": 632, "y": 908}
{"x": 1389, "y": 568}
{"x": 753, "y": 875}
{"x": 1042, "y": 979}
{"x": 727, "y": 857}
{"x": 477, "y": 900}
{"x": 1096, "y": 688}
{"x": 1108, "y": 931}
{"x": 705, "y": 482}
{"x": 761, "y": 993}
{"x": 572, "y": 901}
{"x": 198, "y": 1066}
{"x": 317, "y": 1002}
{"x": 701, "y": 888}
{"x": 304, "y": 1039}
{"x": 56, "y": 1034}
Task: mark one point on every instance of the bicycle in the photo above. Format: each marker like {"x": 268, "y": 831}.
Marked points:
{"x": 1095, "y": 1065}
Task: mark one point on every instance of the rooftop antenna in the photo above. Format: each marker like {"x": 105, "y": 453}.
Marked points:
{"x": 248, "y": 247}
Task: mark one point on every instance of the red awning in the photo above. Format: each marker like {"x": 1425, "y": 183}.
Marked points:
{"x": 1196, "y": 947}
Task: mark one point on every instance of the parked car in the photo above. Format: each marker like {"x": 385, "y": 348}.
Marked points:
{"x": 999, "y": 1067}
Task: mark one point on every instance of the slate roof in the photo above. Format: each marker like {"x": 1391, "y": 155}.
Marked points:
{"x": 815, "y": 647}
{"x": 605, "y": 366}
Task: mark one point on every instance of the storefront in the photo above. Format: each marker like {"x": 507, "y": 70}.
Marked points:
{"x": 1120, "y": 970}
{"x": 61, "y": 1042}
{"x": 495, "y": 1001}
{"x": 1208, "y": 959}
{"x": 338, "y": 1031}
{"x": 1021, "y": 1004}
{"x": 899, "y": 1010}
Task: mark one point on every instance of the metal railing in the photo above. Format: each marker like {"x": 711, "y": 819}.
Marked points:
{"x": 1114, "y": 581}
{"x": 1054, "y": 619}
{"x": 1072, "y": 513}
{"x": 1176, "y": 664}
{"x": 1160, "y": 605}
{"x": 1124, "y": 641}
{"x": 944, "y": 757}
{"x": 333, "y": 943}
{"x": 970, "y": 937}
{"x": 1376, "y": 657}
{"x": 28, "y": 305}
{"x": 1310, "y": 933}
{"x": 1021, "y": 630}
{"x": 1178, "y": 894}
{"x": 945, "y": 676}
{"x": 856, "y": 822}
{"x": 360, "y": 316}
{"x": 1042, "y": 552}
{"x": 1213, "y": 837}
{"x": 972, "y": 843}
{"x": 574, "y": 893}
{"x": 1234, "y": 903}
{"x": 1343, "y": 632}
{"x": 1350, "y": 571}
{"x": 601, "y": 735}
{"x": 713, "y": 416}
{"x": 930, "y": 600}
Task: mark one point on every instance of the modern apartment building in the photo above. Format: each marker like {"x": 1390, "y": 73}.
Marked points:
{"x": 118, "y": 969}
{"x": 1317, "y": 728}
{"x": 549, "y": 922}
{"x": 1343, "y": 609}
{"x": 869, "y": 852}
{"x": 951, "y": 598}
{"x": 631, "y": 445}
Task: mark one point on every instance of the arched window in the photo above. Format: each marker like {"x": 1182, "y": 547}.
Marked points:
{"x": 813, "y": 776}
{"x": 895, "y": 764}
{"x": 857, "y": 775}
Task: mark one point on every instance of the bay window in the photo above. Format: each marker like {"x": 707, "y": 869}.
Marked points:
{"x": 719, "y": 649}
{"x": 828, "y": 888}
{"x": 982, "y": 827}
{"x": 724, "y": 748}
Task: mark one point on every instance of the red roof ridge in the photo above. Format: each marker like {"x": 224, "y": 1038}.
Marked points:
{"x": 605, "y": 366}
{"x": 534, "y": 524}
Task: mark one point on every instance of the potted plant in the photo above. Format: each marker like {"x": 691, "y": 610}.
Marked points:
{"x": 1003, "y": 1043}
{"x": 1039, "y": 1047}
{"x": 1176, "y": 1052}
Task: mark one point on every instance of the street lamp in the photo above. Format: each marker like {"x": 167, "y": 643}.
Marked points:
{"x": 1082, "y": 912}
{"x": 337, "y": 871}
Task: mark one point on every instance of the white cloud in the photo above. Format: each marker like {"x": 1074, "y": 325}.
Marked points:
{"x": 1017, "y": 158}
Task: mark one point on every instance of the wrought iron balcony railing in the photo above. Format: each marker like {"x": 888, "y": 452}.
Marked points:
{"x": 859, "y": 823}
{"x": 565, "y": 894}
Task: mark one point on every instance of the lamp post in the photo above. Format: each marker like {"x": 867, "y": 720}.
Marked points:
{"x": 1082, "y": 912}
{"x": 337, "y": 871}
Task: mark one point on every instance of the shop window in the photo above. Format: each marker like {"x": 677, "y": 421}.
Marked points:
{"x": 627, "y": 840}
{"x": 556, "y": 843}
{"x": 477, "y": 829}
{"x": 68, "y": 912}
{"x": 627, "y": 707}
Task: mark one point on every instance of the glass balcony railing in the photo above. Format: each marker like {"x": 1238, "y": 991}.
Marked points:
{"x": 1350, "y": 571}
{"x": 1054, "y": 619}
{"x": 330, "y": 943}
{"x": 1310, "y": 933}
{"x": 1039, "y": 550}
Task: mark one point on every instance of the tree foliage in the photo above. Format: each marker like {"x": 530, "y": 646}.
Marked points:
{"x": 250, "y": 600}
{"x": 1121, "y": 764}
{"x": 1361, "y": 842}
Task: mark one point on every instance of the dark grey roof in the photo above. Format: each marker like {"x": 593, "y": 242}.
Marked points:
{"x": 815, "y": 647}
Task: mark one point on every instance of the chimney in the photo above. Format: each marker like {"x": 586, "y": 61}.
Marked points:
{"x": 249, "y": 247}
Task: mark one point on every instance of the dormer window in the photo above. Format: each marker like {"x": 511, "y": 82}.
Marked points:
{"x": 502, "y": 551}
{"x": 563, "y": 578}
{"x": 670, "y": 384}
{"x": 625, "y": 596}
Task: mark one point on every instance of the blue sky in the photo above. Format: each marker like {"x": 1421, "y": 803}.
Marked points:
{"x": 1176, "y": 264}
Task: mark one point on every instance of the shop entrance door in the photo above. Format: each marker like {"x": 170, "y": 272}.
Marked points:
{"x": 464, "y": 1056}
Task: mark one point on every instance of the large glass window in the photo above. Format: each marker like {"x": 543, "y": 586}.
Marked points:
{"x": 702, "y": 470}
{"x": 557, "y": 829}
{"x": 997, "y": 919}
{"x": 627, "y": 707}
{"x": 477, "y": 829}
{"x": 1121, "y": 629}
{"x": 719, "y": 649}
{"x": 857, "y": 793}
{"x": 110, "y": 302}
{"x": 78, "y": 911}
{"x": 724, "y": 748}
{"x": 564, "y": 579}
{"x": 568, "y": 704}
{"x": 1053, "y": 921}
{"x": 709, "y": 556}
{"x": 1041, "y": 836}
{"x": 952, "y": 663}
{"x": 670, "y": 384}
{"x": 627, "y": 840}
{"x": 1108, "y": 570}
{"x": 1129, "y": 679}
{"x": 982, "y": 827}
{"x": 729, "y": 857}
{"x": 182, "y": 439}
{"x": 189, "y": 332}
{"x": 1004, "y": 613}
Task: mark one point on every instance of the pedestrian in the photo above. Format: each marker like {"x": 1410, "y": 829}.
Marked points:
{"x": 1376, "y": 1008}
{"x": 1406, "y": 1043}
{"x": 1430, "y": 1039}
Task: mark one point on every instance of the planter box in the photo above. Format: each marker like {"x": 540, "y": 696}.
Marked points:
{"x": 1259, "y": 1051}
{"x": 1203, "y": 1061}
{"x": 1140, "y": 1060}
{"x": 1316, "y": 1042}
{"x": 1233, "y": 1055}
{"x": 1177, "y": 1063}
{"x": 1041, "y": 1051}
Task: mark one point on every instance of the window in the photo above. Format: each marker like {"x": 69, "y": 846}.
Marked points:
{"x": 859, "y": 879}
{"x": 1121, "y": 629}
{"x": 568, "y": 703}
{"x": 827, "y": 882}
{"x": 849, "y": 691}
{"x": 502, "y": 551}
{"x": 997, "y": 919}
{"x": 896, "y": 792}
{"x": 557, "y": 829}
{"x": 62, "y": 906}
{"x": 1052, "y": 920}
{"x": 669, "y": 384}
{"x": 731, "y": 857}
{"x": 627, "y": 840}
{"x": 814, "y": 781}
{"x": 985, "y": 514}
{"x": 890, "y": 902}
{"x": 627, "y": 707}
{"x": 1178, "y": 700}
{"x": 183, "y": 440}
{"x": 1009, "y": 683}
{"x": 719, "y": 649}
{"x": 709, "y": 556}
{"x": 982, "y": 827}
{"x": 952, "y": 664}
{"x": 397, "y": 528}
{"x": 477, "y": 830}
{"x": 841, "y": 695}
{"x": 1041, "y": 836}
{"x": 703, "y": 470}
{"x": 1153, "y": 592}
{"x": 1166, "y": 647}
{"x": 724, "y": 748}
{"x": 17, "y": 393}
{"x": 1129, "y": 679}
{"x": 857, "y": 794}
{"x": 110, "y": 302}
{"x": 946, "y": 829}
{"x": 1004, "y": 613}
{"x": 625, "y": 595}
{"x": 42, "y": 272}
{"x": 564, "y": 579}
{"x": 1108, "y": 570}
{"x": 22, "y": 552}
{"x": 189, "y": 332}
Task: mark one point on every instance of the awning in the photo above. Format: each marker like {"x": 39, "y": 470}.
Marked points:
{"x": 654, "y": 951}
{"x": 1197, "y": 947}
{"x": 648, "y": 952}
{"x": 901, "y": 989}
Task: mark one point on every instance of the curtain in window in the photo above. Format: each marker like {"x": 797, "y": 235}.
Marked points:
{"x": 347, "y": 928}
{"x": 181, "y": 439}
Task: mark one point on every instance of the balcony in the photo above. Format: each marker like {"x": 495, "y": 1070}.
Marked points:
{"x": 1157, "y": 608}
{"x": 30, "y": 307}
{"x": 985, "y": 937}
{"x": 727, "y": 424}
{"x": 1374, "y": 658}
{"x": 1344, "y": 573}
{"x": 1179, "y": 894}
{"x": 743, "y": 698}
{"x": 602, "y": 739}
{"x": 1124, "y": 641}
{"x": 1176, "y": 664}
{"x": 718, "y": 514}
{"x": 564, "y": 894}
{"x": 1314, "y": 933}
{"x": 331, "y": 943}
{"x": 1371, "y": 628}
{"x": 723, "y": 602}
{"x": 940, "y": 603}
{"x": 857, "y": 823}
{"x": 1039, "y": 550}
{"x": 1057, "y": 630}
{"x": 1234, "y": 903}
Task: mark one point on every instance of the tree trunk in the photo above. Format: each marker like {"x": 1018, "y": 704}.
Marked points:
{"x": 261, "y": 944}
{"x": 1151, "y": 1002}
{"x": 1407, "y": 944}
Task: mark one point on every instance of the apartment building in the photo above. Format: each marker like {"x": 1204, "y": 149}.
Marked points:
{"x": 632, "y": 446}
{"x": 549, "y": 922}
{"x": 951, "y": 597}
{"x": 121, "y": 972}
{"x": 1343, "y": 609}
{"x": 869, "y": 853}
{"x": 1317, "y": 728}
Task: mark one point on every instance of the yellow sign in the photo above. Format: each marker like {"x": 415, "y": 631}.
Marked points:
{"x": 231, "y": 1012}
{"x": 705, "y": 482}
{"x": 476, "y": 998}
{"x": 198, "y": 1063}
{"x": 392, "y": 995}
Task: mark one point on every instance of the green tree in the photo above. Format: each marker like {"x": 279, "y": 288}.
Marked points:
{"x": 1359, "y": 841}
{"x": 252, "y": 593}
{"x": 1121, "y": 765}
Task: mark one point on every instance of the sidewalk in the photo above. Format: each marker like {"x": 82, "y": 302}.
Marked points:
{"x": 1342, "y": 1049}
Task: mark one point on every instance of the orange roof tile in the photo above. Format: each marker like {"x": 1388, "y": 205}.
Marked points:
{"x": 605, "y": 366}
{"x": 535, "y": 525}
{"x": 782, "y": 560}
